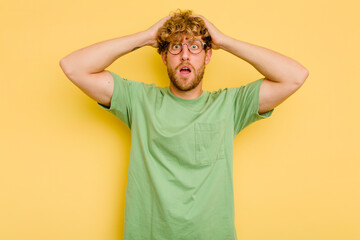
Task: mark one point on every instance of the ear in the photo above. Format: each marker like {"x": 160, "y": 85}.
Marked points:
{"x": 163, "y": 57}
{"x": 208, "y": 56}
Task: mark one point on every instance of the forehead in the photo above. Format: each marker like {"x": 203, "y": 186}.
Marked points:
{"x": 185, "y": 38}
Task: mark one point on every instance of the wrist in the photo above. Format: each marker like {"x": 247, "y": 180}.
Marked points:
{"x": 150, "y": 37}
{"x": 224, "y": 42}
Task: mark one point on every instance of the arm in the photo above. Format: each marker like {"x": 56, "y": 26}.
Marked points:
{"x": 283, "y": 75}
{"x": 85, "y": 67}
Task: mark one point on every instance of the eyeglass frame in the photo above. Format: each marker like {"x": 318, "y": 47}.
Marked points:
{"x": 187, "y": 43}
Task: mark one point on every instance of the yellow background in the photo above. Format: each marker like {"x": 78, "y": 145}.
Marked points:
{"x": 64, "y": 160}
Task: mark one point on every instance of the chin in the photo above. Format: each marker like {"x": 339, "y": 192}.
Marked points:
{"x": 185, "y": 83}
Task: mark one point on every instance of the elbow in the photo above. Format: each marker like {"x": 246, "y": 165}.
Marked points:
{"x": 62, "y": 64}
{"x": 306, "y": 74}
{"x": 302, "y": 77}
{"x": 66, "y": 67}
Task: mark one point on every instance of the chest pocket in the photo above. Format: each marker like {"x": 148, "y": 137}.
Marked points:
{"x": 209, "y": 142}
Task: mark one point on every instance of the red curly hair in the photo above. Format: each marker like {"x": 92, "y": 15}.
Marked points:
{"x": 179, "y": 25}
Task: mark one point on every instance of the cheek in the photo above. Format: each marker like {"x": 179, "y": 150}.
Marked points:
{"x": 172, "y": 63}
{"x": 199, "y": 63}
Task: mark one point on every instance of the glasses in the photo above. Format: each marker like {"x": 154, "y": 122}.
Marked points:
{"x": 194, "y": 47}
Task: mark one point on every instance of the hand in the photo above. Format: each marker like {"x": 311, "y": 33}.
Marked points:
{"x": 216, "y": 36}
{"x": 153, "y": 31}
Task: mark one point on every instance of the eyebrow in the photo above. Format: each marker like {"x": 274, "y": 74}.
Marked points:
{"x": 186, "y": 41}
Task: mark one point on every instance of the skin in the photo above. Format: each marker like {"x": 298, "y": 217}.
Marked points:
{"x": 84, "y": 67}
{"x": 283, "y": 75}
{"x": 188, "y": 87}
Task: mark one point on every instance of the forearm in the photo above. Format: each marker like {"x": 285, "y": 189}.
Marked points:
{"x": 272, "y": 65}
{"x": 97, "y": 57}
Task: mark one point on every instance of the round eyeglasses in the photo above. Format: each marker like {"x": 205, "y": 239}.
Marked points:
{"x": 194, "y": 47}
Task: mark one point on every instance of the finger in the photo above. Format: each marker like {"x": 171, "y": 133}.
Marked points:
{"x": 165, "y": 19}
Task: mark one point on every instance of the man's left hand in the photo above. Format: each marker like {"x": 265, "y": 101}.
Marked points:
{"x": 216, "y": 36}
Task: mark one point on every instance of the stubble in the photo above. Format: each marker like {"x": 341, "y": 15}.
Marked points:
{"x": 181, "y": 82}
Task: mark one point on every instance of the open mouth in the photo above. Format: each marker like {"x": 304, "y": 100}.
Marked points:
{"x": 185, "y": 70}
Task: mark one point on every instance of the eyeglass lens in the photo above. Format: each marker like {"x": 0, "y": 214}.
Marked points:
{"x": 195, "y": 47}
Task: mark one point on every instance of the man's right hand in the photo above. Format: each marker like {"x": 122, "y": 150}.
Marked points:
{"x": 86, "y": 67}
{"x": 153, "y": 31}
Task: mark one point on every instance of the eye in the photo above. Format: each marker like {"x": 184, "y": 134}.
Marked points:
{"x": 194, "y": 46}
{"x": 176, "y": 46}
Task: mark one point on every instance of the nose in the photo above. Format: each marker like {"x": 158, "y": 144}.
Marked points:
{"x": 185, "y": 53}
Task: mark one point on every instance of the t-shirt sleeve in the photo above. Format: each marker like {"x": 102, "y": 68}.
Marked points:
{"x": 246, "y": 105}
{"x": 122, "y": 100}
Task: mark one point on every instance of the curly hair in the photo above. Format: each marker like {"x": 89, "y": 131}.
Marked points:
{"x": 179, "y": 25}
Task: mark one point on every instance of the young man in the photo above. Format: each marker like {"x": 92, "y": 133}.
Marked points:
{"x": 180, "y": 170}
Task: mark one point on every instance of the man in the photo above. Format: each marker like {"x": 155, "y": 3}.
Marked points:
{"x": 180, "y": 170}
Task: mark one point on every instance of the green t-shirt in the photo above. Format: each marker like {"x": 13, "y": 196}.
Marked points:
{"x": 180, "y": 182}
